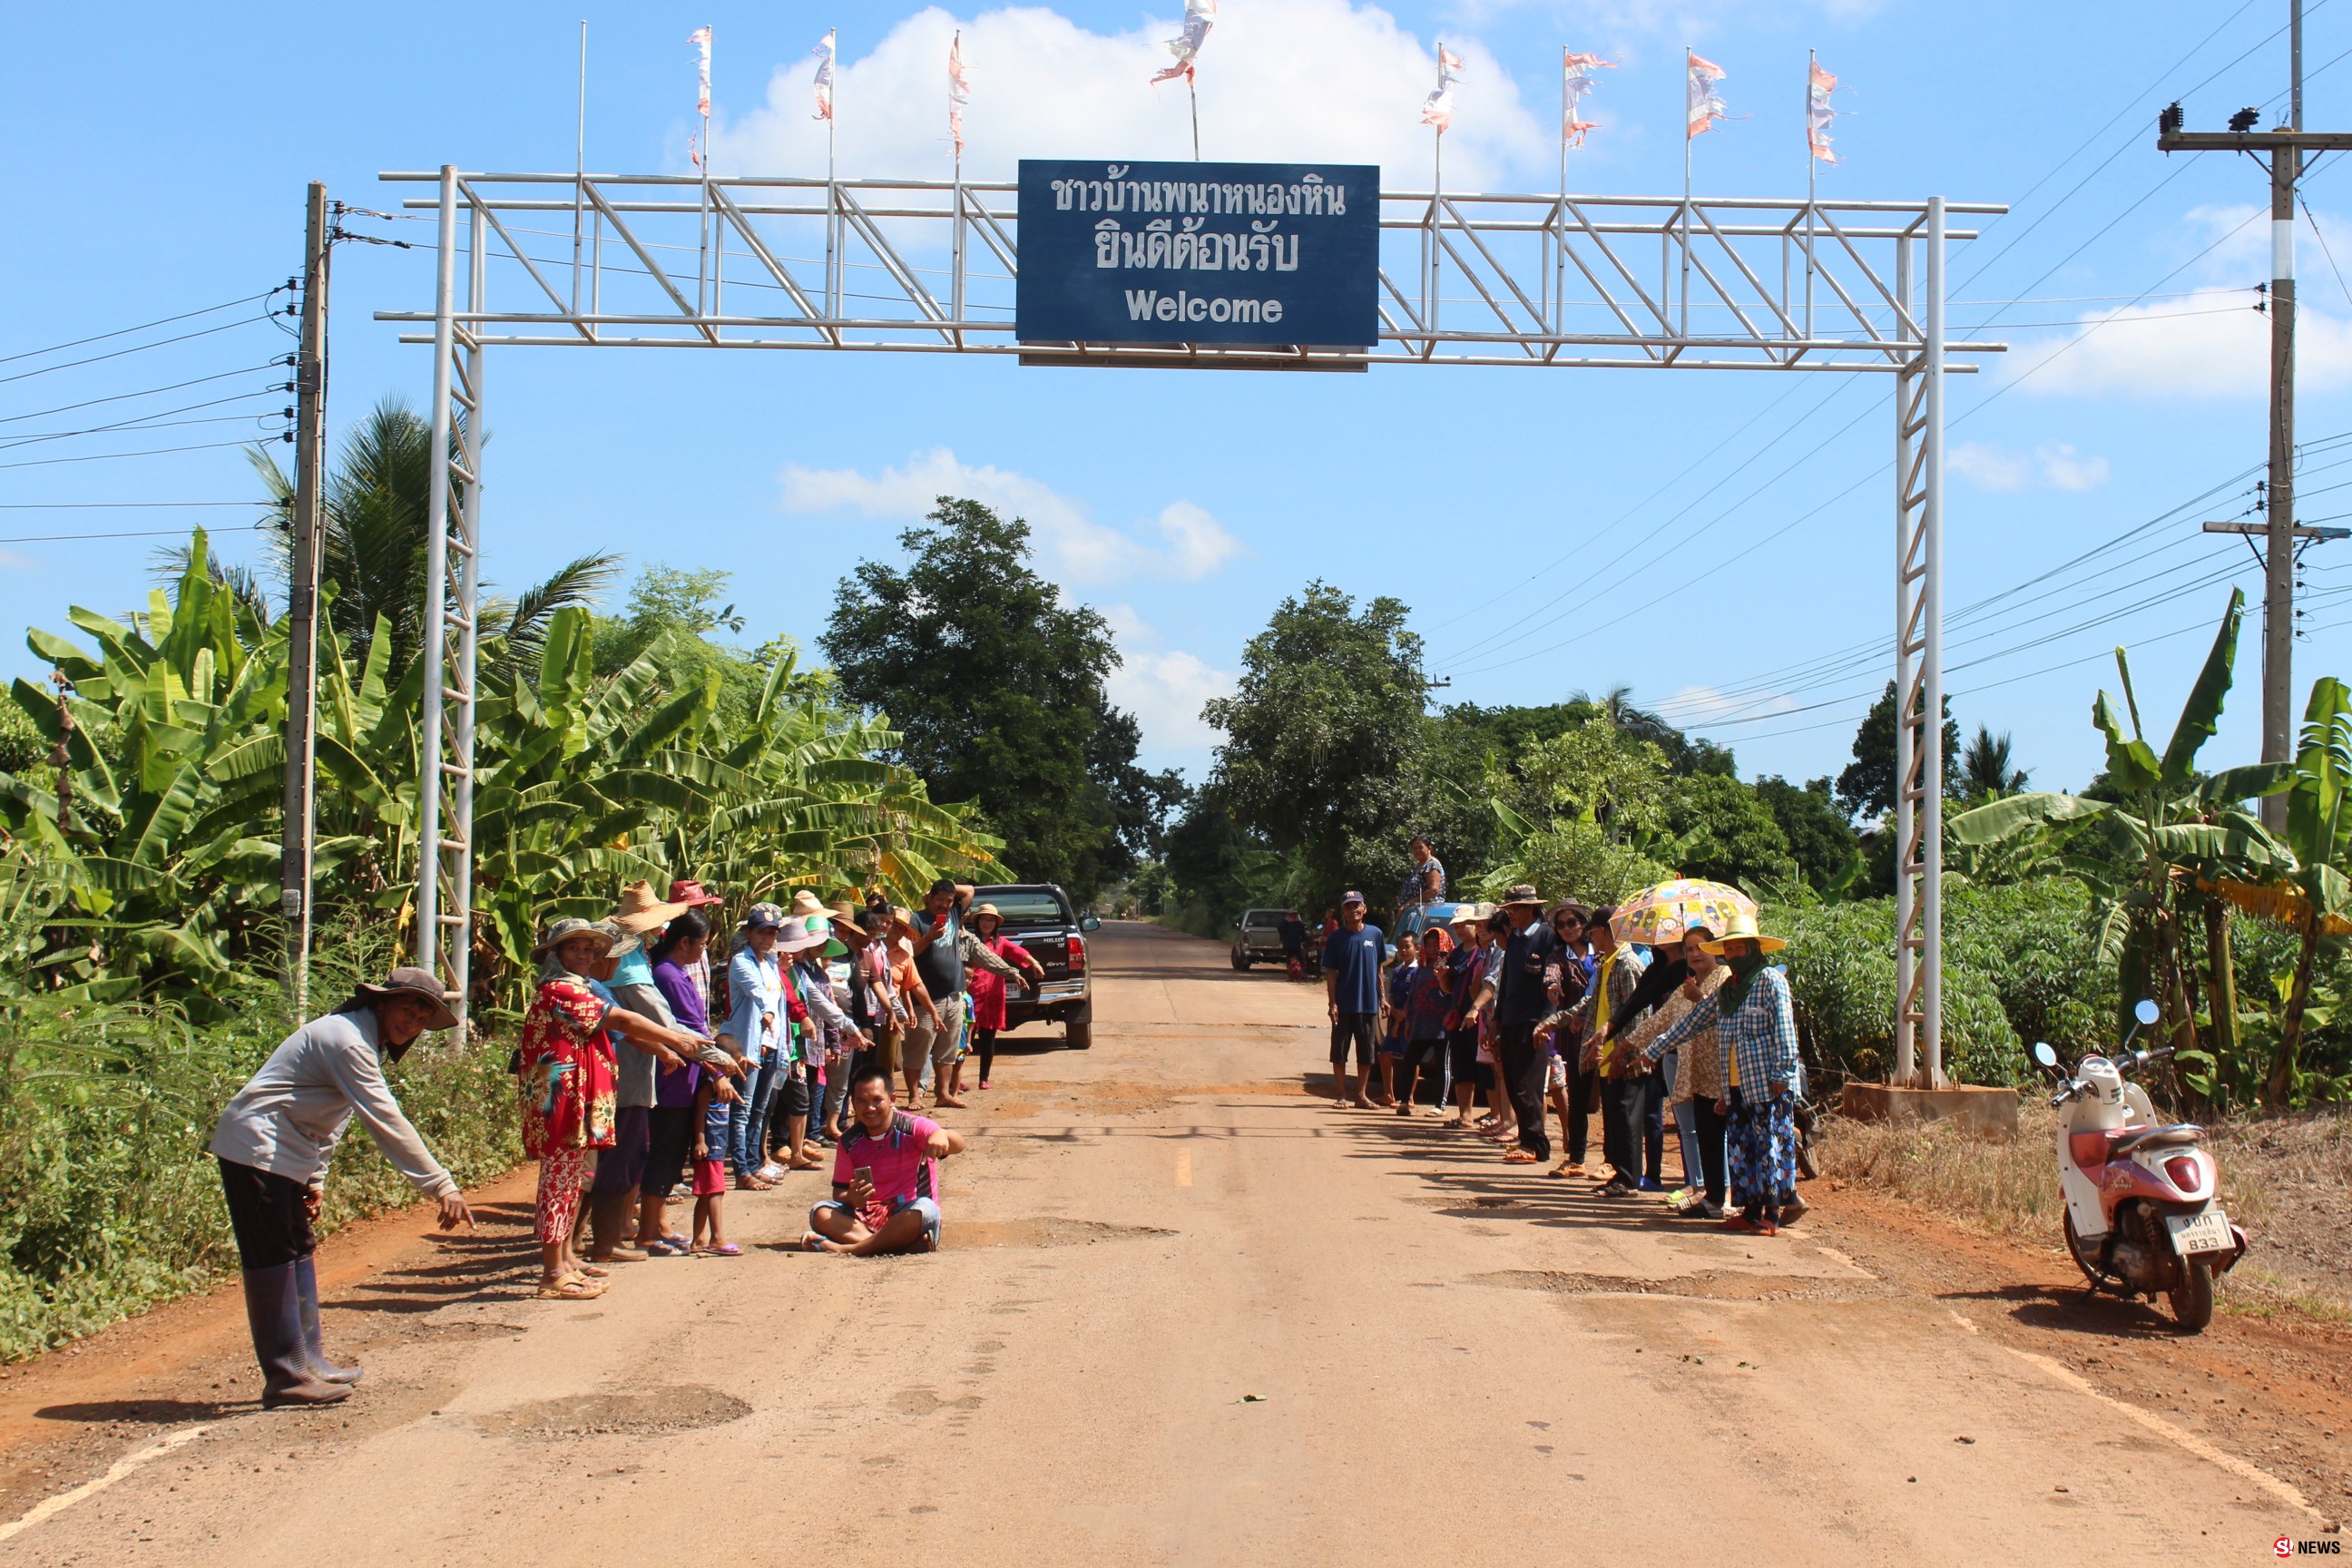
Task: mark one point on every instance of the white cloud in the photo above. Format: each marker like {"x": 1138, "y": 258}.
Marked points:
{"x": 1183, "y": 542}
{"x": 1279, "y": 79}
{"x": 2211, "y": 341}
{"x": 1164, "y": 687}
{"x": 1700, "y": 706}
{"x": 2054, "y": 465}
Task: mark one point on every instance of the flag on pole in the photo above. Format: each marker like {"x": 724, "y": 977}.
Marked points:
{"x": 1575, "y": 81}
{"x": 1818, "y": 113}
{"x": 823, "y": 53}
{"x": 1437, "y": 108}
{"x": 701, "y": 39}
{"x": 1199, "y": 16}
{"x": 1706, "y": 103}
{"x": 959, "y": 94}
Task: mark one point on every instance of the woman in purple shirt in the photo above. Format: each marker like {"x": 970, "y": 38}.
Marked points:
{"x": 674, "y": 957}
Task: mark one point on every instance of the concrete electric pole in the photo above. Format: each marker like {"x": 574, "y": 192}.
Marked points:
{"x": 302, "y": 602}
{"x": 2286, "y": 146}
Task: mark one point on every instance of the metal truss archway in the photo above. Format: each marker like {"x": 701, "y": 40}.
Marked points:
{"x": 928, "y": 266}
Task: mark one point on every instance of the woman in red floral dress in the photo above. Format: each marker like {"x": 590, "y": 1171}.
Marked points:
{"x": 568, "y": 1089}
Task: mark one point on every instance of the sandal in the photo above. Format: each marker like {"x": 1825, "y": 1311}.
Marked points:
{"x": 812, "y": 1242}
{"x": 593, "y": 1271}
{"x": 1520, "y": 1157}
{"x": 569, "y": 1290}
{"x": 726, "y": 1249}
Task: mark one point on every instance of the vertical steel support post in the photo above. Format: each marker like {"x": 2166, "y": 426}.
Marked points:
{"x": 1907, "y": 572}
{"x": 459, "y": 866}
{"x": 1931, "y": 728}
{"x": 437, "y": 561}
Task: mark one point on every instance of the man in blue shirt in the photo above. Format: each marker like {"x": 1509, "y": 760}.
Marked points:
{"x": 1351, "y": 983}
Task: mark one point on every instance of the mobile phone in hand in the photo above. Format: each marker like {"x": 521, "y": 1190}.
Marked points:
{"x": 864, "y": 1174}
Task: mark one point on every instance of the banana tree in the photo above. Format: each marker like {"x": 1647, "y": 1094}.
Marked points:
{"x": 2310, "y": 894}
{"x": 2143, "y": 857}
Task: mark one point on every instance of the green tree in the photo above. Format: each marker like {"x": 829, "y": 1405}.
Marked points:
{"x": 1320, "y": 729}
{"x": 1820, "y": 837}
{"x": 995, "y": 686}
{"x": 1987, "y": 770}
{"x": 376, "y": 537}
{"x": 1866, "y": 787}
{"x": 1724, "y": 831}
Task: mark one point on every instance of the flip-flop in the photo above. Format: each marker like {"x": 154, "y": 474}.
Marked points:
{"x": 593, "y": 1272}
{"x": 1520, "y": 1157}
{"x": 728, "y": 1250}
{"x": 812, "y": 1242}
{"x": 570, "y": 1290}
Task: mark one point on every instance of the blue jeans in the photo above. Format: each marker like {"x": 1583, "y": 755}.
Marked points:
{"x": 748, "y": 1131}
{"x": 1686, "y": 1126}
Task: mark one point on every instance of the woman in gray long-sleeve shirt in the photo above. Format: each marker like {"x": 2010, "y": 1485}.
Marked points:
{"x": 274, "y": 1142}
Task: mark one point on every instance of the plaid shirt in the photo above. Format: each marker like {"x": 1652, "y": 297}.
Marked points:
{"x": 1760, "y": 1038}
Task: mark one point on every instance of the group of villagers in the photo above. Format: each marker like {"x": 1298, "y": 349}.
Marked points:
{"x": 656, "y": 1053}
{"x": 1664, "y": 1008}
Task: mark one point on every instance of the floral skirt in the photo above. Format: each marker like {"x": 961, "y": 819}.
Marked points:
{"x": 1762, "y": 1143}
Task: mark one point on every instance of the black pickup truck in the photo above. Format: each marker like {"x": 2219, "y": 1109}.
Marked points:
{"x": 1038, "y": 916}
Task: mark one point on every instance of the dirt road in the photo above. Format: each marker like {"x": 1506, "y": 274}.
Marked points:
{"x": 1188, "y": 1313}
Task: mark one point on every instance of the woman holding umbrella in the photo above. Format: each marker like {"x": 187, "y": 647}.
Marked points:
{"x": 1754, "y": 1017}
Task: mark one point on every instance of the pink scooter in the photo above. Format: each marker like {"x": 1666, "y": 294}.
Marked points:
{"x": 2141, "y": 1214}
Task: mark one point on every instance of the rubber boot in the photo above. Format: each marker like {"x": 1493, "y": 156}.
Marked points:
{"x": 314, "y": 1347}
{"x": 273, "y": 1311}
{"x": 611, "y": 1223}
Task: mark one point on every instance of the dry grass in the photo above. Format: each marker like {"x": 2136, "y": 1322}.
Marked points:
{"x": 2287, "y": 1181}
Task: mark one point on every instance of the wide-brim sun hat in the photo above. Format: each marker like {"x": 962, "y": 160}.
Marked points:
{"x": 625, "y": 942}
{"x": 805, "y": 903}
{"x": 1472, "y": 914}
{"x": 1741, "y": 926}
{"x": 763, "y": 914}
{"x": 419, "y": 984}
{"x": 639, "y": 911}
{"x": 688, "y": 891}
{"x": 1524, "y": 893}
{"x": 566, "y": 930}
{"x": 973, "y": 915}
{"x": 794, "y": 936}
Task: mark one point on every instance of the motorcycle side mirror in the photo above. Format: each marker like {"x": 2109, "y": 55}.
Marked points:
{"x": 2043, "y": 1057}
{"x": 2146, "y": 1011}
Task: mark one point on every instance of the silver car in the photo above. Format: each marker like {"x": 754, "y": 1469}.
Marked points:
{"x": 1257, "y": 938}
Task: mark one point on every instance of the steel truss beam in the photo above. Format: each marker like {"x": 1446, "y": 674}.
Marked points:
{"x": 928, "y": 266}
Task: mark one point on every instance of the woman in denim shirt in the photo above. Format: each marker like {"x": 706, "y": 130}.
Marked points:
{"x": 755, "y": 984}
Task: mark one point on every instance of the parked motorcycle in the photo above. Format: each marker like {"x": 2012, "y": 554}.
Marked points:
{"x": 2141, "y": 1214}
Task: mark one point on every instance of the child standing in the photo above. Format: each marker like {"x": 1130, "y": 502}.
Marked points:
{"x": 714, "y": 1101}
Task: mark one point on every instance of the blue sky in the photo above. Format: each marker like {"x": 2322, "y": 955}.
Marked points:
{"x": 1545, "y": 526}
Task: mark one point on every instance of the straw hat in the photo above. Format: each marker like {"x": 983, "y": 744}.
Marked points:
{"x": 640, "y": 912}
{"x": 1743, "y": 925}
{"x": 794, "y": 936}
{"x": 565, "y": 930}
{"x": 1472, "y": 914}
{"x": 419, "y": 984}
{"x": 979, "y": 910}
{"x": 805, "y": 903}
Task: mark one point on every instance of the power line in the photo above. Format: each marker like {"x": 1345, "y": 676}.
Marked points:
{"x": 143, "y": 326}
{"x": 117, "y": 505}
{"x": 133, "y": 349}
{"x": 108, "y": 457}
{"x": 142, "y": 533}
{"x": 151, "y": 392}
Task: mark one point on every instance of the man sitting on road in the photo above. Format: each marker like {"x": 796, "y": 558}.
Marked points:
{"x": 886, "y": 1177}
{"x": 1353, "y": 957}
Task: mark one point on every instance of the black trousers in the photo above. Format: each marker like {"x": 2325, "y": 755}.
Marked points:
{"x": 266, "y": 1211}
{"x": 1621, "y": 1124}
{"x": 985, "y": 1040}
{"x": 1522, "y": 1067}
{"x": 1467, "y": 1068}
{"x": 1654, "y": 1123}
{"x": 1580, "y": 1099}
{"x": 1712, "y": 1126}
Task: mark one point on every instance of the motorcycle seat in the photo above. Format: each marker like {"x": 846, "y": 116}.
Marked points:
{"x": 2158, "y": 1137}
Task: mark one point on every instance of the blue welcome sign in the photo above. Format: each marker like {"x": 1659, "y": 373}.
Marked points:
{"x": 1277, "y": 255}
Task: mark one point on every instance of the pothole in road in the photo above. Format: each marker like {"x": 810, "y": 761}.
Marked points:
{"x": 683, "y": 1409}
{"x": 1710, "y": 1285}
{"x": 1046, "y": 1231}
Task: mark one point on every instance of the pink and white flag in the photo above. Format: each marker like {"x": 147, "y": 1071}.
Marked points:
{"x": 701, "y": 39}
{"x": 823, "y": 53}
{"x": 959, "y": 94}
{"x": 1818, "y": 113}
{"x": 1575, "y": 81}
{"x": 1706, "y": 103}
{"x": 1199, "y": 16}
{"x": 1437, "y": 108}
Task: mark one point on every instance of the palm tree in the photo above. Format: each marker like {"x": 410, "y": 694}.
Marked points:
{"x": 1985, "y": 770}
{"x": 373, "y": 551}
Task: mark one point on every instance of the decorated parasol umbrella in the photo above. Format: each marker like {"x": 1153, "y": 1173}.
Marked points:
{"x": 1663, "y": 913}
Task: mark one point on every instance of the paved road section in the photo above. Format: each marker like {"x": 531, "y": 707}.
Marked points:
{"x": 1188, "y": 1313}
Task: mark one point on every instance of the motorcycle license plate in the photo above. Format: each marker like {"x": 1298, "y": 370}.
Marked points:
{"x": 2205, "y": 1232}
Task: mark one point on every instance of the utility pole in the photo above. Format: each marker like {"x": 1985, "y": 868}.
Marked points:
{"x": 2286, "y": 147}
{"x": 302, "y": 604}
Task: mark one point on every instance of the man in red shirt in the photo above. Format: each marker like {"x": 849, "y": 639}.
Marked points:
{"x": 886, "y": 1177}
